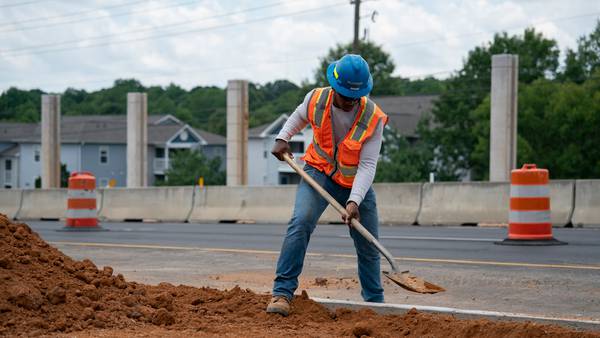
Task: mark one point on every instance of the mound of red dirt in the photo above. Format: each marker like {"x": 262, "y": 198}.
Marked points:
{"x": 43, "y": 291}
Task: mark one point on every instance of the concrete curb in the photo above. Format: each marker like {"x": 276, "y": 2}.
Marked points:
{"x": 398, "y": 309}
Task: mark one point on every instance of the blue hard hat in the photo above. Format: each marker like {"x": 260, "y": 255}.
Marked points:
{"x": 350, "y": 76}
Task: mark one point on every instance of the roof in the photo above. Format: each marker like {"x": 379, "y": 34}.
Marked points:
{"x": 271, "y": 128}
{"x": 405, "y": 112}
{"x": 11, "y": 151}
{"x": 12, "y": 130}
{"x": 210, "y": 138}
{"x": 256, "y": 131}
{"x": 111, "y": 129}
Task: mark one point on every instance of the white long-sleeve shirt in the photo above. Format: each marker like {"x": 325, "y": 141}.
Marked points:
{"x": 342, "y": 122}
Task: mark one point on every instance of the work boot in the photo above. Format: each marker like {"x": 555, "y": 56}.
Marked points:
{"x": 279, "y": 304}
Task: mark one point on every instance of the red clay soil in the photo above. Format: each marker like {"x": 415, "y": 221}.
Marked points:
{"x": 44, "y": 292}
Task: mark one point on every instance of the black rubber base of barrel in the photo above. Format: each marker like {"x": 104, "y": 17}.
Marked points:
{"x": 82, "y": 229}
{"x": 526, "y": 242}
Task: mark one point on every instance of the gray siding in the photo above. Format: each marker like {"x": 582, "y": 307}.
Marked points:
{"x": 29, "y": 169}
{"x": 115, "y": 168}
{"x": 262, "y": 166}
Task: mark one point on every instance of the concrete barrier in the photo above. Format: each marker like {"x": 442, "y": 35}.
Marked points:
{"x": 561, "y": 202}
{"x": 152, "y": 203}
{"x": 43, "y": 204}
{"x": 259, "y": 204}
{"x": 587, "y": 203}
{"x": 10, "y": 202}
{"x": 457, "y": 203}
{"x": 397, "y": 203}
{"x": 452, "y": 203}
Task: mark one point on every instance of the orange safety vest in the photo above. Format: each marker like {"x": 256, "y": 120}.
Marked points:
{"x": 340, "y": 161}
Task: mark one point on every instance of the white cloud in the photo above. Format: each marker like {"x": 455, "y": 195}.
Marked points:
{"x": 423, "y": 37}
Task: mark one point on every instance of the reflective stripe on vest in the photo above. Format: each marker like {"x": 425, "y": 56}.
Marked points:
{"x": 321, "y": 105}
{"x": 322, "y": 152}
{"x": 347, "y": 171}
{"x": 366, "y": 117}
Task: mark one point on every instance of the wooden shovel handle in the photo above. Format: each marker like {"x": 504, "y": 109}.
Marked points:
{"x": 355, "y": 223}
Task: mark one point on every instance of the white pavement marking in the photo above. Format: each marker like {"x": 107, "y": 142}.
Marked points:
{"x": 314, "y": 254}
{"x": 425, "y": 238}
{"x": 450, "y": 310}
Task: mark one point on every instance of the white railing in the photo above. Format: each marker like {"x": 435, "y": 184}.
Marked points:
{"x": 161, "y": 165}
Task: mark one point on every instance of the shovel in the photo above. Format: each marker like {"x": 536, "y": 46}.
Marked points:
{"x": 404, "y": 279}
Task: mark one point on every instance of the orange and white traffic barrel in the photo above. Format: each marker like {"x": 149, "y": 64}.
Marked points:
{"x": 529, "y": 213}
{"x": 81, "y": 202}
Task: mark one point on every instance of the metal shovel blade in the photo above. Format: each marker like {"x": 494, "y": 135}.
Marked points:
{"x": 413, "y": 283}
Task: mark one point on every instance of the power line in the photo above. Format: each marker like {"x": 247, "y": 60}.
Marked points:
{"x": 42, "y": 18}
{"x": 166, "y": 35}
{"x": 99, "y": 17}
{"x": 100, "y": 37}
{"x": 21, "y": 4}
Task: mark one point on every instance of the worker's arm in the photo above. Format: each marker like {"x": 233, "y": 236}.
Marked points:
{"x": 295, "y": 123}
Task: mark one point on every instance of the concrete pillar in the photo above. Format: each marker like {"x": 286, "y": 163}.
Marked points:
{"x": 50, "y": 155}
{"x": 237, "y": 132}
{"x": 503, "y": 121}
{"x": 137, "y": 140}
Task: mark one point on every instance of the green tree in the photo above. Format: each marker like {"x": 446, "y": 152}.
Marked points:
{"x": 20, "y": 105}
{"x": 557, "y": 128}
{"x": 187, "y": 166}
{"x": 380, "y": 63}
{"x": 269, "y": 101}
{"x": 580, "y": 64}
{"x": 450, "y": 131}
{"x": 206, "y": 106}
{"x": 427, "y": 86}
{"x": 64, "y": 178}
{"x": 402, "y": 162}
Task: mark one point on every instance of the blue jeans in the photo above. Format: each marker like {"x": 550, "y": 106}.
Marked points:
{"x": 308, "y": 208}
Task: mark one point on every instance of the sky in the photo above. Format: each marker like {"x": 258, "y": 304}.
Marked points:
{"x": 87, "y": 44}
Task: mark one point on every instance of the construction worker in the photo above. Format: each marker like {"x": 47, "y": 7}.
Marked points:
{"x": 348, "y": 130}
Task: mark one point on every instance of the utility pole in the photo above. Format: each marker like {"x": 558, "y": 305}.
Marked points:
{"x": 356, "y": 24}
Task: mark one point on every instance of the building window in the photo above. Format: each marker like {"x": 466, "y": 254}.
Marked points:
{"x": 283, "y": 179}
{"x": 36, "y": 154}
{"x": 289, "y": 178}
{"x": 297, "y": 147}
{"x": 103, "y": 154}
{"x": 265, "y": 154}
{"x": 159, "y": 152}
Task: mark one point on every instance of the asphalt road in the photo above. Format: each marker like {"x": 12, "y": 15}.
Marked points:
{"x": 447, "y": 243}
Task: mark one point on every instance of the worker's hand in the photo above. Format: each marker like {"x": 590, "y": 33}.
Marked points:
{"x": 352, "y": 210}
{"x": 281, "y": 147}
